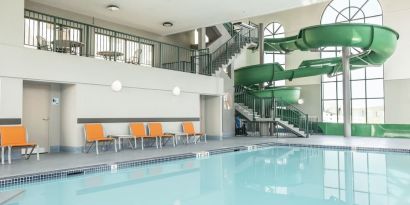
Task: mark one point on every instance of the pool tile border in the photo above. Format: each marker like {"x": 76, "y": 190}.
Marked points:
{"x": 20, "y": 180}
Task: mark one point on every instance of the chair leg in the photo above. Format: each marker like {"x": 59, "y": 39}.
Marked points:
{"x": 115, "y": 145}
{"x": 38, "y": 153}
{"x": 2, "y": 155}
{"x": 205, "y": 138}
{"x": 173, "y": 140}
{"x": 91, "y": 146}
{"x": 96, "y": 147}
{"x": 160, "y": 142}
{"x": 135, "y": 142}
{"x": 31, "y": 152}
{"x": 9, "y": 155}
{"x": 142, "y": 143}
{"x": 156, "y": 141}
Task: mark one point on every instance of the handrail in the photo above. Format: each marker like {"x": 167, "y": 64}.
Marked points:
{"x": 274, "y": 107}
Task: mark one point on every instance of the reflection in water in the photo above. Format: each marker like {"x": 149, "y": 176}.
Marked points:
{"x": 282, "y": 175}
{"x": 318, "y": 176}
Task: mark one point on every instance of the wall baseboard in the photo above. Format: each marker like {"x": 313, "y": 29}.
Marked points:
{"x": 71, "y": 149}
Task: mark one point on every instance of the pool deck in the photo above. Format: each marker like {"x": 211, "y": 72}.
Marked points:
{"x": 59, "y": 161}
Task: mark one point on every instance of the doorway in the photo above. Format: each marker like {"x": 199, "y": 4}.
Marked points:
{"x": 36, "y": 106}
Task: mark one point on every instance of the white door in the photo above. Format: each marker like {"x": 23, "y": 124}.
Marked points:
{"x": 36, "y": 113}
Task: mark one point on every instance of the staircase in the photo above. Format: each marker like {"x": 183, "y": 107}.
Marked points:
{"x": 272, "y": 110}
{"x": 209, "y": 63}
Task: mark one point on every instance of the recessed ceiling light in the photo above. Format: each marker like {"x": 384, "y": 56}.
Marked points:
{"x": 167, "y": 24}
{"x": 113, "y": 7}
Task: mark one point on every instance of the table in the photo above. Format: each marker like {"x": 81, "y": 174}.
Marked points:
{"x": 178, "y": 136}
{"x": 108, "y": 55}
{"x": 120, "y": 138}
{"x": 66, "y": 46}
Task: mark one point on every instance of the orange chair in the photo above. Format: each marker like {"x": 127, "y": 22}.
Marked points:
{"x": 189, "y": 130}
{"x": 94, "y": 133}
{"x": 137, "y": 130}
{"x": 15, "y": 136}
{"x": 155, "y": 130}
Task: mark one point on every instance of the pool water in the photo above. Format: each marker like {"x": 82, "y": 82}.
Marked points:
{"x": 277, "y": 175}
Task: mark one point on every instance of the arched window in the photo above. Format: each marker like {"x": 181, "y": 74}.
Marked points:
{"x": 275, "y": 30}
{"x": 367, "y": 83}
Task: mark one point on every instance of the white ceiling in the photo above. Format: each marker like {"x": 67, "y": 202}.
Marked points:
{"x": 184, "y": 14}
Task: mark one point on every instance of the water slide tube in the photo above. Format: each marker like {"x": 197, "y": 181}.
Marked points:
{"x": 377, "y": 42}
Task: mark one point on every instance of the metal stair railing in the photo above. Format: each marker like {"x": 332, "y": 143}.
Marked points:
{"x": 275, "y": 108}
{"x": 209, "y": 63}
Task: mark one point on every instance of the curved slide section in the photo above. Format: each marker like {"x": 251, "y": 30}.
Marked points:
{"x": 377, "y": 42}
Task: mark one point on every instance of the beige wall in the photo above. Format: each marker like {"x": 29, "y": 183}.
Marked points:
{"x": 395, "y": 11}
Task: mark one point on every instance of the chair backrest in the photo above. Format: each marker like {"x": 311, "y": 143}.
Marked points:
{"x": 155, "y": 129}
{"x": 93, "y": 132}
{"x": 42, "y": 43}
{"x": 188, "y": 127}
{"x": 137, "y": 129}
{"x": 13, "y": 135}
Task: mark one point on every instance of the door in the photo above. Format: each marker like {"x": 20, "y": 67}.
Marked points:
{"x": 36, "y": 113}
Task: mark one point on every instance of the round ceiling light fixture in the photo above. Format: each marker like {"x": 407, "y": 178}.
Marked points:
{"x": 167, "y": 24}
{"x": 301, "y": 101}
{"x": 113, "y": 7}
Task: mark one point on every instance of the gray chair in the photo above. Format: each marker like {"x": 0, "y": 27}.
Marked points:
{"x": 42, "y": 44}
{"x": 135, "y": 59}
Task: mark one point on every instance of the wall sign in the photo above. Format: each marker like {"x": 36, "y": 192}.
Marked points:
{"x": 55, "y": 101}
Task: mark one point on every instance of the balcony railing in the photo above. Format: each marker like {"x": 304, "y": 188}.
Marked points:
{"x": 51, "y": 33}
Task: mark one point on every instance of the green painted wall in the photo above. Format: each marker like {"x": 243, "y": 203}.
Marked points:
{"x": 368, "y": 130}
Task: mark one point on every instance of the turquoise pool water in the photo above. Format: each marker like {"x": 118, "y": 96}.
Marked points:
{"x": 278, "y": 175}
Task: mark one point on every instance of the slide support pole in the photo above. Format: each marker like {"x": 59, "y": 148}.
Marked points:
{"x": 347, "y": 93}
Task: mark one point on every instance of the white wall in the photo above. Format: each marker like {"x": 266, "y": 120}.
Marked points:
{"x": 11, "y": 98}
{"x": 33, "y": 64}
{"x": 12, "y": 20}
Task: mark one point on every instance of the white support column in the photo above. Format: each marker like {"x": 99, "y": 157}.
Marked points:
{"x": 347, "y": 94}
{"x": 201, "y": 38}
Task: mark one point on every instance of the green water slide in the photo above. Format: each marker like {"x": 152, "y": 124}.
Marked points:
{"x": 376, "y": 42}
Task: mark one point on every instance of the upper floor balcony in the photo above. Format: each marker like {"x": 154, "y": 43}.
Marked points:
{"x": 56, "y": 34}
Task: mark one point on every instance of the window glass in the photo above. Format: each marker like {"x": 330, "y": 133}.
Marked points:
{"x": 275, "y": 30}
{"x": 359, "y": 89}
{"x": 329, "y": 90}
{"x": 330, "y": 111}
{"x": 359, "y": 111}
{"x": 375, "y": 88}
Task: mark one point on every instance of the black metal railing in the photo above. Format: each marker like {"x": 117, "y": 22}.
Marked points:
{"x": 51, "y": 33}
{"x": 211, "y": 62}
{"x": 273, "y": 108}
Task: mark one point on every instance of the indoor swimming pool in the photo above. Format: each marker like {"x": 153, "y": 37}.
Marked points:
{"x": 274, "y": 175}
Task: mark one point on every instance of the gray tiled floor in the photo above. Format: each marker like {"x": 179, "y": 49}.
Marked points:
{"x": 50, "y": 162}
